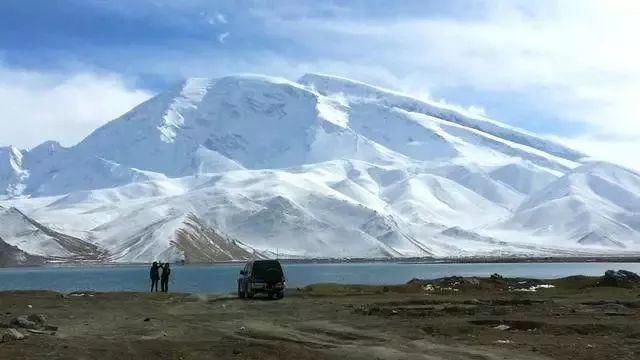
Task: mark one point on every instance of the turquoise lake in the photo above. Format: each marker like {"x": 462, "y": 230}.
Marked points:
{"x": 222, "y": 278}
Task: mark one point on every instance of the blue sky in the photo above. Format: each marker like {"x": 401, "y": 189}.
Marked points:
{"x": 566, "y": 69}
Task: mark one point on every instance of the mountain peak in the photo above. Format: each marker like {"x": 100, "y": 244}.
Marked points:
{"x": 289, "y": 165}
{"x": 328, "y": 84}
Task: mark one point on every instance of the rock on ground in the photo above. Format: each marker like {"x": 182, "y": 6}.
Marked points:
{"x": 620, "y": 278}
{"x": 37, "y": 318}
{"x": 23, "y": 322}
{"x": 11, "y": 334}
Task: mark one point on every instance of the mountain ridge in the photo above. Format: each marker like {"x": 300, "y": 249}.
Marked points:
{"x": 324, "y": 166}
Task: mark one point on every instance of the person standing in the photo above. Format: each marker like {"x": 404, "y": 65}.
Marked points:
{"x": 164, "y": 282}
{"x": 154, "y": 274}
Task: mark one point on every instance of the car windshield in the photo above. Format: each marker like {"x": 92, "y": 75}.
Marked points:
{"x": 262, "y": 267}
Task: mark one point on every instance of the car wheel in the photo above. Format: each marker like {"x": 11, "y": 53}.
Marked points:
{"x": 249, "y": 293}
{"x": 240, "y": 292}
{"x": 280, "y": 295}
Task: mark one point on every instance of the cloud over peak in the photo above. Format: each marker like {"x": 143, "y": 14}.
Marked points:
{"x": 65, "y": 107}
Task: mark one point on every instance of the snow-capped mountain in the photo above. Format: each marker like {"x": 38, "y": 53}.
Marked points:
{"x": 33, "y": 238}
{"x": 326, "y": 167}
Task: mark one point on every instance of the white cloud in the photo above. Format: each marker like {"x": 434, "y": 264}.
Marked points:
{"x": 218, "y": 18}
{"x": 572, "y": 60}
{"x": 221, "y": 18}
{"x": 222, "y": 37}
{"x": 621, "y": 151}
{"x": 41, "y": 106}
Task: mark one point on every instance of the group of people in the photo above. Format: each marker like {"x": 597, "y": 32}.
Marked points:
{"x": 156, "y": 276}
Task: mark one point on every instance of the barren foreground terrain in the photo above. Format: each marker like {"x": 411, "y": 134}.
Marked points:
{"x": 451, "y": 318}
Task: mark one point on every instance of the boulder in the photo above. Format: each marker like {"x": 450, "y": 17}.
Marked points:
{"x": 37, "y": 318}
{"x": 473, "y": 281}
{"x": 10, "y": 335}
{"x": 416, "y": 281}
{"x": 614, "y": 309}
{"x": 496, "y": 276}
{"x": 23, "y": 322}
{"x": 620, "y": 278}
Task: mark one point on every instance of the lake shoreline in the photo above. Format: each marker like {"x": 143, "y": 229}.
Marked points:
{"x": 462, "y": 318}
{"x": 418, "y": 260}
{"x": 221, "y": 278}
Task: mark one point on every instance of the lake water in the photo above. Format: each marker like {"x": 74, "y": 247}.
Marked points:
{"x": 222, "y": 278}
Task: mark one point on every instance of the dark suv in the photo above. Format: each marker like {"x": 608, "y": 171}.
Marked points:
{"x": 261, "y": 276}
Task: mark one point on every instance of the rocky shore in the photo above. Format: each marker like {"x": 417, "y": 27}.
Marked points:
{"x": 450, "y": 318}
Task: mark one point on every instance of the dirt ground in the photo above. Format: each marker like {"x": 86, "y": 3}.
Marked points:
{"x": 453, "y": 319}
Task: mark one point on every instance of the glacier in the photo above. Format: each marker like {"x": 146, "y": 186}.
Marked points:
{"x": 253, "y": 166}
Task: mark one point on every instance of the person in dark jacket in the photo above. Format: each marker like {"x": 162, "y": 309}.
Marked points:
{"x": 154, "y": 274}
{"x": 164, "y": 280}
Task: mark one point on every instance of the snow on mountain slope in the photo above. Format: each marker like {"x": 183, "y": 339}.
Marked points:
{"x": 255, "y": 122}
{"x": 236, "y": 122}
{"x": 321, "y": 167}
{"x": 327, "y": 84}
{"x": 92, "y": 173}
{"x": 203, "y": 126}
{"x": 33, "y": 238}
{"x": 506, "y": 185}
{"x": 13, "y": 256}
{"x": 424, "y": 137}
{"x": 11, "y": 172}
{"x": 597, "y": 204}
{"x": 479, "y": 181}
{"x": 607, "y": 184}
{"x": 439, "y": 200}
{"x": 524, "y": 177}
{"x": 298, "y": 211}
{"x": 202, "y": 244}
